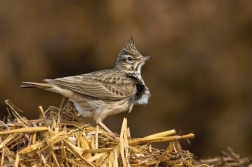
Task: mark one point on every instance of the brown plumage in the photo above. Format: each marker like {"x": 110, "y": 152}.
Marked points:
{"x": 102, "y": 93}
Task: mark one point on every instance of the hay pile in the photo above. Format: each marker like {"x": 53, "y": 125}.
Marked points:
{"x": 228, "y": 159}
{"x": 61, "y": 138}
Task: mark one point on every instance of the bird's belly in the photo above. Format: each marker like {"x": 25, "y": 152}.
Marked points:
{"x": 100, "y": 109}
{"x": 83, "y": 108}
{"x": 107, "y": 108}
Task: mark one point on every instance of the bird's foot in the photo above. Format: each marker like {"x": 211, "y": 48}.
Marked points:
{"x": 113, "y": 135}
{"x": 117, "y": 139}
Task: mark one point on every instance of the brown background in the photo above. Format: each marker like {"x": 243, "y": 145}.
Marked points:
{"x": 200, "y": 77}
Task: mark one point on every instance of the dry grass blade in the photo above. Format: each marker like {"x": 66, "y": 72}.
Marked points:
{"x": 17, "y": 160}
{"x": 77, "y": 152}
{"x": 32, "y": 148}
{"x": 9, "y": 138}
{"x": 97, "y": 156}
{"x": 158, "y": 139}
{"x": 55, "y": 162}
{"x": 99, "y": 150}
{"x": 124, "y": 146}
{"x": 41, "y": 112}
{"x": 24, "y": 130}
{"x": 15, "y": 112}
{"x": 61, "y": 138}
{"x": 162, "y": 134}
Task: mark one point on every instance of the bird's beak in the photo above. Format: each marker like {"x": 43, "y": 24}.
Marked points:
{"x": 145, "y": 58}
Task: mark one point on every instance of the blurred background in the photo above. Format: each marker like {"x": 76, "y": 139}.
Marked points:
{"x": 200, "y": 77}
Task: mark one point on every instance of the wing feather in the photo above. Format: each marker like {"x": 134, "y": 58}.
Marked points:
{"x": 106, "y": 84}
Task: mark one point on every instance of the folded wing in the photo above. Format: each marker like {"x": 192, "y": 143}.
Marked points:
{"x": 105, "y": 84}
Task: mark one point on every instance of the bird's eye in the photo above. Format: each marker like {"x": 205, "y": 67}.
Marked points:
{"x": 130, "y": 58}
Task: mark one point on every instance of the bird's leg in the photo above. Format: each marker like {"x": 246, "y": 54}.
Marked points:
{"x": 107, "y": 129}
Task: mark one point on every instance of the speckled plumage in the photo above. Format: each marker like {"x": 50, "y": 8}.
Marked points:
{"x": 102, "y": 93}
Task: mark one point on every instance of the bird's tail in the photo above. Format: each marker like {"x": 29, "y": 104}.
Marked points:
{"x": 35, "y": 85}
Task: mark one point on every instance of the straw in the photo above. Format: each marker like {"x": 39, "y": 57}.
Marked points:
{"x": 60, "y": 137}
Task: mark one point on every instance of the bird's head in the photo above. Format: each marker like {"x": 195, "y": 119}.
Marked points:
{"x": 130, "y": 60}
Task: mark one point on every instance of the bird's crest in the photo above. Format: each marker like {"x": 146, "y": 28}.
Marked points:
{"x": 130, "y": 47}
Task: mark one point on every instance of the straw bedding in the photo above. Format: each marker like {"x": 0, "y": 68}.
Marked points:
{"x": 60, "y": 137}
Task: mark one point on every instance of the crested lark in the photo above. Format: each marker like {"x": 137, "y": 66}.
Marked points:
{"x": 103, "y": 93}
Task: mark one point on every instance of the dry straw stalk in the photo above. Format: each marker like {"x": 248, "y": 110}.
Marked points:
{"x": 61, "y": 138}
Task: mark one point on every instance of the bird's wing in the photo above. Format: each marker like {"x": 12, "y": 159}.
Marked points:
{"x": 106, "y": 84}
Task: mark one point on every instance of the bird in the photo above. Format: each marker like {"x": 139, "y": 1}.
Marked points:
{"x": 107, "y": 92}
